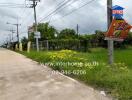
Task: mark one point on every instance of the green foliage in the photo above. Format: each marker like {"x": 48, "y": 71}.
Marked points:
{"x": 128, "y": 40}
{"x": 59, "y": 44}
{"x": 87, "y": 40}
{"x": 94, "y": 40}
{"x": 24, "y": 42}
{"x": 67, "y": 34}
{"x": 47, "y": 31}
{"x": 31, "y": 37}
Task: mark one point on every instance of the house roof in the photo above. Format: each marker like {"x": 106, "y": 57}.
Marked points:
{"x": 116, "y": 7}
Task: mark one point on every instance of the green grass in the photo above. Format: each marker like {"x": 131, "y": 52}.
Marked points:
{"x": 116, "y": 80}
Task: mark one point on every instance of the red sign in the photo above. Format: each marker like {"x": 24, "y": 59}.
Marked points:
{"x": 118, "y": 30}
{"x": 118, "y": 12}
{"x": 120, "y": 25}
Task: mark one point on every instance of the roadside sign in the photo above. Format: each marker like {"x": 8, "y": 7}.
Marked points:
{"x": 117, "y": 12}
{"x": 120, "y": 12}
{"x": 120, "y": 25}
{"x": 37, "y": 35}
{"x": 118, "y": 30}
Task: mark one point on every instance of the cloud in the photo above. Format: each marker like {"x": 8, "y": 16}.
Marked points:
{"x": 89, "y": 18}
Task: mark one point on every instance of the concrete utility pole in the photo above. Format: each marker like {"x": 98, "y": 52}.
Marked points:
{"x": 110, "y": 42}
{"x": 10, "y": 38}
{"x": 12, "y": 31}
{"x": 17, "y": 25}
{"x": 17, "y": 32}
{"x": 35, "y": 18}
{"x": 77, "y": 29}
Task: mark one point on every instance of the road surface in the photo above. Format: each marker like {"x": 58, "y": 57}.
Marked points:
{"x": 24, "y": 79}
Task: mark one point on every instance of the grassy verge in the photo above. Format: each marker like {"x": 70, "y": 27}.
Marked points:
{"x": 116, "y": 80}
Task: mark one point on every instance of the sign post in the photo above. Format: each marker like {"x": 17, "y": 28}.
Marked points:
{"x": 119, "y": 28}
{"x": 37, "y": 36}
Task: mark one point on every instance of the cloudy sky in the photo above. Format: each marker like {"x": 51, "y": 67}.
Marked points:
{"x": 90, "y": 18}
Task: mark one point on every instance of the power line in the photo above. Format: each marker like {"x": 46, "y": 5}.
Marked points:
{"x": 17, "y": 26}
{"x": 79, "y": 8}
{"x": 29, "y": 13}
{"x": 23, "y": 13}
{"x": 55, "y": 10}
{"x": 26, "y": 13}
{"x": 57, "y": 5}
{"x": 13, "y": 5}
{"x": 63, "y": 2}
{"x": 22, "y": 8}
{"x": 42, "y": 7}
{"x": 89, "y": 2}
{"x": 63, "y": 8}
{"x": 4, "y": 4}
{"x": 64, "y": 5}
{"x": 17, "y": 20}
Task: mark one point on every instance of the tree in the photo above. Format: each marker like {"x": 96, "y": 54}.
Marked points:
{"x": 47, "y": 31}
{"x": 100, "y": 37}
{"x": 31, "y": 37}
{"x": 67, "y": 34}
{"x": 24, "y": 42}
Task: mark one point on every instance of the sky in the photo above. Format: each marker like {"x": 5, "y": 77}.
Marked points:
{"x": 89, "y": 18}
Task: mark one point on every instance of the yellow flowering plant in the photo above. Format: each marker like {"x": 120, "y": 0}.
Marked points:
{"x": 65, "y": 55}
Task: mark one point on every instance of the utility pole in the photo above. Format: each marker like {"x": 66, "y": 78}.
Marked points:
{"x": 78, "y": 46}
{"x": 17, "y": 25}
{"x": 35, "y": 18}
{"x": 110, "y": 42}
{"x": 17, "y": 33}
{"x": 77, "y": 29}
{"x": 10, "y": 38}
{"x": 12, "y": 31}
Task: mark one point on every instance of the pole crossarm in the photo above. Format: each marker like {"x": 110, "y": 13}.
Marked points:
{"x": 11, "y": 30}
{"x": 34, "y": 4}
{"x": 13, "y": 24}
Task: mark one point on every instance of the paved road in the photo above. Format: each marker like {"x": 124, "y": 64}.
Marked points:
{"x": 24, "y": 79}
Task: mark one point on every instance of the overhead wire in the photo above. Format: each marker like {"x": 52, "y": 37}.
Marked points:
{"x": 74, "y": 1}
{"x": 89, "y": 2}
{"x": 62, "y": 3}
{"x": 59, "y": 7}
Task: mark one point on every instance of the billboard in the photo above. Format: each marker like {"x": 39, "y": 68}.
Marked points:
{"x": 118, "y": 30}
